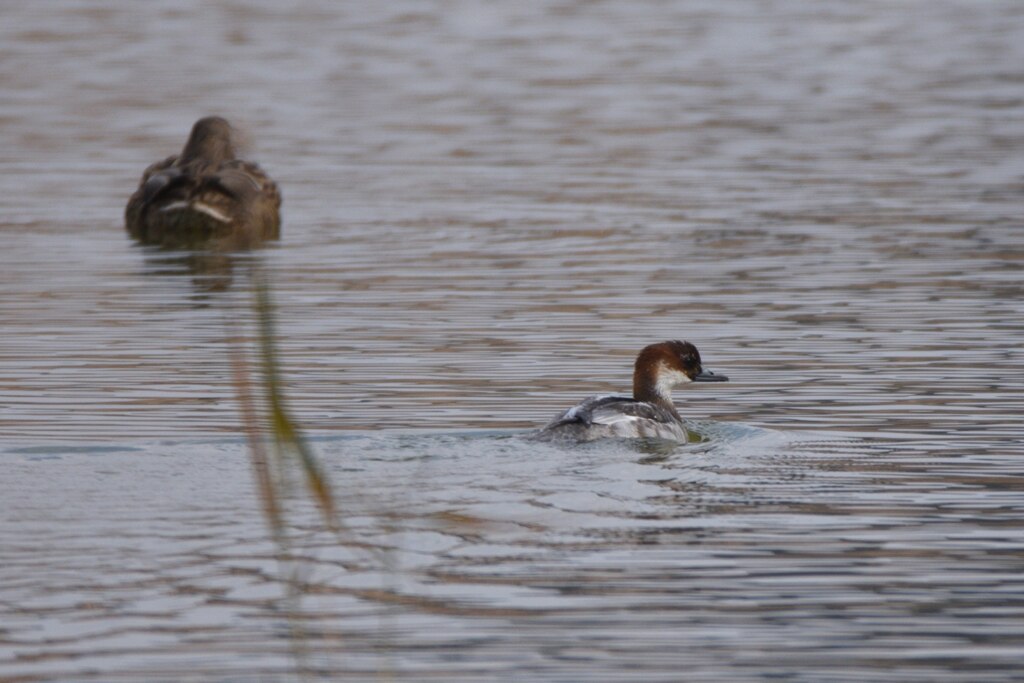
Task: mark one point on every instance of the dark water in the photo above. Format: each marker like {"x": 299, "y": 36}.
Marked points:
{"x": 488, "y": 211}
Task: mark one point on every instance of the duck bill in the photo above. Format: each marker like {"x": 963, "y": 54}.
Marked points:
{"x": 708, "y": 376}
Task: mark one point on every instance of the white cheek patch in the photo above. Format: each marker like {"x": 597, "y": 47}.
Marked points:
{"x": 668, "y": 378}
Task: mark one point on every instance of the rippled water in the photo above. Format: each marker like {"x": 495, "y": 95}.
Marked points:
{"x": 488, "y": 211}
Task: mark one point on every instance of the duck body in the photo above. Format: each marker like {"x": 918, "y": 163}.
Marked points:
{"x": 205, "y": 196}
{"x": 610, "y": 417}
{"x": 649, "y": 413}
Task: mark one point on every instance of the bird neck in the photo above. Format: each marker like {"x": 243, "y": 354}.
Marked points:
{"x": 649, "y": 387}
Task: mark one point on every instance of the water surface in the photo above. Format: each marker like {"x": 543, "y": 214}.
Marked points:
{"x": 488, "y": 211}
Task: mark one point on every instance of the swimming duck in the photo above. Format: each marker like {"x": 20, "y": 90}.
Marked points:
{"x": 205, "y": 196}
{"x": 650, "y": 412}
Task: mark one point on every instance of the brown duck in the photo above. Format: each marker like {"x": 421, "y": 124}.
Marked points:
{"x": 205, "y": 197}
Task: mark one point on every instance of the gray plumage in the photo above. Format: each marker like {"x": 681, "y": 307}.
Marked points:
{"x": 599, "y": 417}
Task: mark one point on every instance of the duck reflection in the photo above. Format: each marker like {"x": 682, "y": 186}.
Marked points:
{"x": 211, "y": 271}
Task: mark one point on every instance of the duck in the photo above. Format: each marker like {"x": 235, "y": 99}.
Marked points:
{"x": 649, "y": 413}
{"x": 205, "y": 197}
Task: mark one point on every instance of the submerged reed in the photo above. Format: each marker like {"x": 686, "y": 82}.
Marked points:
{"x": 275, "y": 444}
{"x": 274, "y": 424}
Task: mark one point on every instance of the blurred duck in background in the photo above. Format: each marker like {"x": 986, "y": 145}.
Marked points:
{"x": 205, "y": 197}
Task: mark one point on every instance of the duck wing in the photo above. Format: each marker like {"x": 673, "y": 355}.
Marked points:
{"x": 235, "y": 194}
{"x": 610, "y": 410}
{"x": 248, "y": 194}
